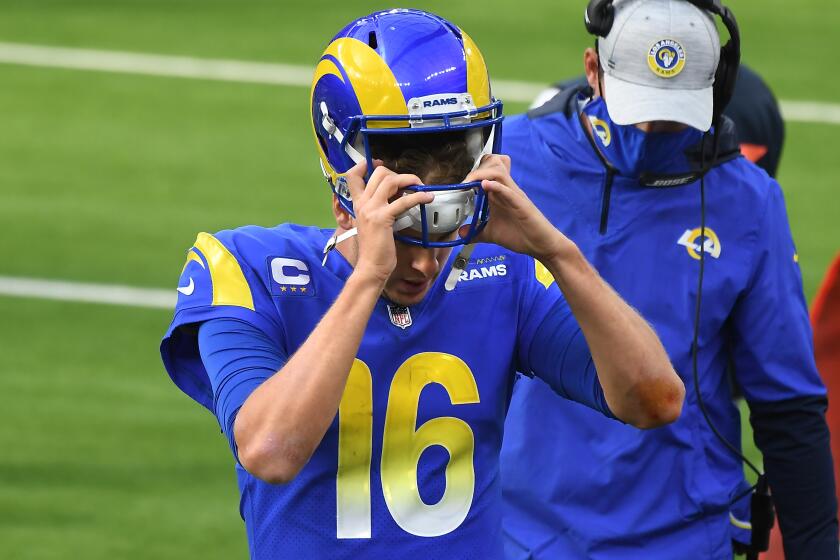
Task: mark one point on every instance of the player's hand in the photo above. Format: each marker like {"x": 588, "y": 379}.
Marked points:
{"x": 377, "y": 207}
{"x": 515, "y": 222}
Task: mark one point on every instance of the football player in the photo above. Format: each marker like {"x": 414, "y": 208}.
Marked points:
{"x": 362, "y": 374}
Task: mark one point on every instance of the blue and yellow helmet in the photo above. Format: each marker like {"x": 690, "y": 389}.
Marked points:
{"x": 405, "y": 72}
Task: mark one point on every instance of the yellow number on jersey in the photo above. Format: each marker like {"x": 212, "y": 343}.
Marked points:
{"x": 402, "y": 447}
{"x": 355, "y": 433}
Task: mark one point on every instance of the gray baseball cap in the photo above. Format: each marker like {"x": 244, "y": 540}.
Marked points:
{"x": 659, "y": 63}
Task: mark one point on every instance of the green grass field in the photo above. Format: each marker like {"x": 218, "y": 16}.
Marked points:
{"x": 107, "y": 177}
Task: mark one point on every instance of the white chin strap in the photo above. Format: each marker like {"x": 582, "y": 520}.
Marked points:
{"x": 487, "y": 149}
{"x": 458, "y": 266}
{"x": 335, "y": 240}
{"x": 334, "y": 132}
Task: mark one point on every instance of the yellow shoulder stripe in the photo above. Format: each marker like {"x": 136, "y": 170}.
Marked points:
{"x": 192, "y": 256}
{"x": 229, "y": 284}
{"x": 543, "y": 275}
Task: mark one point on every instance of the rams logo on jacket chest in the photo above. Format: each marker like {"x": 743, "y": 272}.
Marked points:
{"x": 695, "y": 241}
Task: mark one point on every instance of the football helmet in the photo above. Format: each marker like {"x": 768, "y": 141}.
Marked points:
{"x": 402, "y": 72}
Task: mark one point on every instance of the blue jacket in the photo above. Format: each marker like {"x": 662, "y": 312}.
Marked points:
{"x": 579, "y": 485}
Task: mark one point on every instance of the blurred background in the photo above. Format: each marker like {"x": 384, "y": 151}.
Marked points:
{"x": 111, "y": 163}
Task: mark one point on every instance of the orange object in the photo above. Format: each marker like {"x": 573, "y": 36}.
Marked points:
{"x": 825, "y": 319}
{"x": 753, "y": 152}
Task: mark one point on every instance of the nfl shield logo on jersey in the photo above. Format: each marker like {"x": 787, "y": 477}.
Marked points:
{"x": 400, "y": 316}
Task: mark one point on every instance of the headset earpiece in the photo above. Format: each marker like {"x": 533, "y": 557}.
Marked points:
{"x": 725, "y": 78}
{"x": 730, "y": 61}
{"x": 598, "y": 17}
{"x": 730, "y": 56}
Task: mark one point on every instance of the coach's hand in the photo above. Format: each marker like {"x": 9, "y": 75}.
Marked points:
{"x": 375, "y": 216}
{"x": 515, "y": 222}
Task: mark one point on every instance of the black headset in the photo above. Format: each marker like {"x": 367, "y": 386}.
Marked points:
{"x": 599, "y": 17}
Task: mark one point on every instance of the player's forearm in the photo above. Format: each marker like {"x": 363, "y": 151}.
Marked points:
{"x": 639, "y": 383}
{"x": 284, "y": 420}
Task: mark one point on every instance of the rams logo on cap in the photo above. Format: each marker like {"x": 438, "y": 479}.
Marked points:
{"x": 666, "y": 58}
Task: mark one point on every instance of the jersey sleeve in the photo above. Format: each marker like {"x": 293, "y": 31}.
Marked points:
{"x": 215, "y": 283}
{"x": 772, "y": 347}
{"x": 238, "y": 358}
{"x": 551, "y": 345}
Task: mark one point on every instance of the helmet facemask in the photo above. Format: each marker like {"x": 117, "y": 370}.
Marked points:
{"x": 440, "y": 148}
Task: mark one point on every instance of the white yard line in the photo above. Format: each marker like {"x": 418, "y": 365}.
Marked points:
{"x": 285, "y": 74}
{"x": 156, "y": 65}
{"x": 87, "y": 293}
{"x": 810, "y": 111}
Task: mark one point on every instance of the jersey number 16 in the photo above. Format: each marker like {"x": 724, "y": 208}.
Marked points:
{"x": 402, "y": 447}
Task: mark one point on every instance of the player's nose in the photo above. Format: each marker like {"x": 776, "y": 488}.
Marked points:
{"x": 423, "y": 261}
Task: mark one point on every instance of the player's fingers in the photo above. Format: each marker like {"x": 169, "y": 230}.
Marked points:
{"x": 491, "y": 169}
{"x": 505, "y": 160}
{"x": 482, "y": 237}
{"x": 496, "y": 159}
{"x": 489, "y": 185}
{"x": 490, "y": 160}
{"x": 500, "y": 193}
{"x": 496, "y": 187}
{"x": 408, "y": 201}
{"x": 355, "y": 180}
{"x": 392, "y": 184}
{"x": 380, "y": 173}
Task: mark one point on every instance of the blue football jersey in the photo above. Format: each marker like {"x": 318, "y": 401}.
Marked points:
{"x": 409, "y": 467}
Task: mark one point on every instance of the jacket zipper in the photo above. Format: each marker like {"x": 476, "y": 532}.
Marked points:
{"x": 605, "y": 200}
{"x": 608, "y": 181}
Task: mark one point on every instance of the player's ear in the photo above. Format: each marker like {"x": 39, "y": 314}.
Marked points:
{"x": 342, "y": 218}
{"x": 592, "y": 69}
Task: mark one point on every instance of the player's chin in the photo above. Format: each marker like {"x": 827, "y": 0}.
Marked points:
{"x": 407, "y": 293}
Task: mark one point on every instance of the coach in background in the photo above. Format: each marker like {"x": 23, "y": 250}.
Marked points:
{"x": 759, "y": 127}
{"x": 593, "y": 488}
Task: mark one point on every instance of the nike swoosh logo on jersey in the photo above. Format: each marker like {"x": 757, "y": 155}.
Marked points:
{"x": 188, "y": 289}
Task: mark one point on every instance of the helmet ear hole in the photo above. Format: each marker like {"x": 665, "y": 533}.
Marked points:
{"x": 372, "y": 43}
